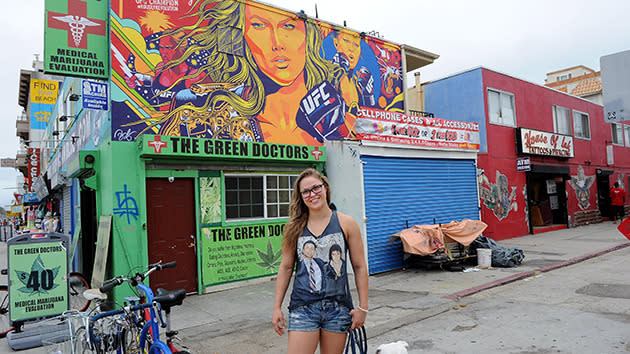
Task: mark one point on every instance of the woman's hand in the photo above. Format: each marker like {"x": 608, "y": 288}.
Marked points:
{"x": 358, "y": 318}
{"x": 278, "y": 321}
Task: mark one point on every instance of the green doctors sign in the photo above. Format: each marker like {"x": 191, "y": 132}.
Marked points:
{"x": 177, "y": 146}
{"x": 240, "y": 252}
{"x": 38, "y": 264}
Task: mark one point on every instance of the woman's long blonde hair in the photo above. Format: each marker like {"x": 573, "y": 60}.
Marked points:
{"x": 298, "y": 211}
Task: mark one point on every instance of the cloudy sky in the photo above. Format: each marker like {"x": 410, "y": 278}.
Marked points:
{"x": 522, "y": 38}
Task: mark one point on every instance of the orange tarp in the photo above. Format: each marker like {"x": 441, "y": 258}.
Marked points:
{"x": 427, "y": 239}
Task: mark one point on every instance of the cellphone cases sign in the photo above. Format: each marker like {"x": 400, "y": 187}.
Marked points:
{"x": 240, "y": 252}
{"x": 38, "y": 264}
{"x": 75, "y": 40}
{"x": 393, "y": 127}
{"x": 174, "y": 146}
{"x": 535, "y": 142}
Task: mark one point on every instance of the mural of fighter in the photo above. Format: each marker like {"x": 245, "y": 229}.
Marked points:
{"x": 243, "y": 70}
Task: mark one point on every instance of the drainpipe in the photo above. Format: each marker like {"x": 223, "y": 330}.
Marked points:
{"x": 419, "y": 92}
{"x": 403, "y": 54}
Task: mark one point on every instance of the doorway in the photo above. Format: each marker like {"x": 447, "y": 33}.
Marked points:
{"x": 88, "y": 231}
{"x": 603, "y": 193}
{"x": 171, "y": 232}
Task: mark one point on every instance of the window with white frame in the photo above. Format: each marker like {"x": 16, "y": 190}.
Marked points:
{"x": 501, "y": 108}
{"x": 258, "y": 196}
{"x": 626, "y": 130}
{"x": 581, "y": 126}
{"x": 617, "y": 133}
{"x": 561, "y": 120}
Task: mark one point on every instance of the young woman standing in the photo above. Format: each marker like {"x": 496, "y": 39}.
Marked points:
{"x": 321, "y": 310}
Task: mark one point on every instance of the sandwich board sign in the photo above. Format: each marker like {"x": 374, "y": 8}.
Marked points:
{"x": 37, "y": 272}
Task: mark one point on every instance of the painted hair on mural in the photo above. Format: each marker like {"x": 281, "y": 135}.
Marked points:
{"x": 243, "y": 86}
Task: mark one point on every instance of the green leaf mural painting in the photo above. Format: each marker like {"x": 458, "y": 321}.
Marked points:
{"x": 269, "y": 260}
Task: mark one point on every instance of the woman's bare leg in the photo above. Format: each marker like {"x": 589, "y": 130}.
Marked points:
{"x": 332, "y": 342}
{"x": 303, "y": 342}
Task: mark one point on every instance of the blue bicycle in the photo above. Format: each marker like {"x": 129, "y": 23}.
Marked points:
{"x": 137, "y": 324}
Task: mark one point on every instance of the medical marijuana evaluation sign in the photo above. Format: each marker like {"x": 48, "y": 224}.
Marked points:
{"x": 38, "y": 264}
{"x": 75, "y": 38}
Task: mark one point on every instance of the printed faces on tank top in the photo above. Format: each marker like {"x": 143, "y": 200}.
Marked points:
{"x": 322, "y": 262}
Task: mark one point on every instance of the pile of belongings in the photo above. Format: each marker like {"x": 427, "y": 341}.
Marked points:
{"x": 428, "y": 239}
{"x": 501, "y": 256}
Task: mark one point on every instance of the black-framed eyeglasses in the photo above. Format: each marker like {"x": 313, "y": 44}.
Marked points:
{"x": 315, "y": 190}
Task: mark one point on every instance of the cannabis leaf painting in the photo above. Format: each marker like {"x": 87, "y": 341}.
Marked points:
{"x": 269, "y": 260}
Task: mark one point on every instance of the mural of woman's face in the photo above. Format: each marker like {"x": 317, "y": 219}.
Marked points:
{"x": 350, "y": 46}
{"x": 277, "y": 42}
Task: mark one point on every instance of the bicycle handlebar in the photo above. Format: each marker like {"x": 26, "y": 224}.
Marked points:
{"x": 138, "y": 278}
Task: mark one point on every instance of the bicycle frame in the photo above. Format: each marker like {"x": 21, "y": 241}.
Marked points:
{"x": 152, "y": 323}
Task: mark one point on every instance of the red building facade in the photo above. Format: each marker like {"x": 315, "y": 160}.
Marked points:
{"x": 548, "y": 159}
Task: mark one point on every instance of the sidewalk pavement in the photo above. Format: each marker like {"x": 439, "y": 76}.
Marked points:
{"x": 238, "y": 320}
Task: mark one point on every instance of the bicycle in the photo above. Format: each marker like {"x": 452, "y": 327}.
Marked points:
{"x": 141, "y": 327}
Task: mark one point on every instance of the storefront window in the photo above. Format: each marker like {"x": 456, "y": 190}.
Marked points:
{"x": 501, "y": 108}
{"x": 258, "y": 196}
{"x": 617, "y": 133}
{"x": 581, "y": 127}
{"x": 626, "y": 129}
{"x": 561, "y": 120}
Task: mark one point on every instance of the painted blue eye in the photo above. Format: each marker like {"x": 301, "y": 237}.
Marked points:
{"x": 258, "y": 25}
{"x": 288, "y": 26}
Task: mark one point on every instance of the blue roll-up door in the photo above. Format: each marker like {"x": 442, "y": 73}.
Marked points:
{"x": 414, "y": 191}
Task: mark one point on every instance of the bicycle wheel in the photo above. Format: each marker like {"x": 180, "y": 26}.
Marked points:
{"x": 77, "y": 285}
{"x": 80, "y": 341}
{"x": 5, "y": 323}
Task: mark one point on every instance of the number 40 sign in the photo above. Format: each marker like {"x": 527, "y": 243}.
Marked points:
{"x": 38, "y": 264}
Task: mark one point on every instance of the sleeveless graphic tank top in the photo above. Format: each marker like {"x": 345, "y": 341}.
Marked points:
{"x": 321, "y": 267}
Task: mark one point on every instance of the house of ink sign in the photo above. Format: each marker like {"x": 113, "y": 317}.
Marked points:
{"x": 535, "y": 142}
{"x": 177, "y": 146}
{"x": 38, "y": 265}
{"x": 393, "y": 127}
{"x": 94, "y": 94}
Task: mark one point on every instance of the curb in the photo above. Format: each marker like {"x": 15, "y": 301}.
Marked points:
{"x": 530, "y": 273}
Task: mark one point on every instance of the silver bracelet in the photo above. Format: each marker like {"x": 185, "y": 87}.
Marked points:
{"x": 362, "y": 309}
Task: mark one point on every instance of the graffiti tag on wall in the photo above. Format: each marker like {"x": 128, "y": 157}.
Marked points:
{"x": 497, "y": 197}
{"x": 582, "y": 184}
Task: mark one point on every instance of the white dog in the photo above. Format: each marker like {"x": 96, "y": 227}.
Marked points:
{"x": 399, "y": 347}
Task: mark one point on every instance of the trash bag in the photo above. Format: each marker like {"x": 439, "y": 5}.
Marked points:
{"x": 501, "y": 256}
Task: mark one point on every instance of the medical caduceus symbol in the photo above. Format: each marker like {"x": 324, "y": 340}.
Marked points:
{"x": 77, "y": 26}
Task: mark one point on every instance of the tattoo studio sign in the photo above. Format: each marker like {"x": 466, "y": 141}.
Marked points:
{"x": 38, "y": 265}
{"x": 535, "y": 142}
{"x": 240, "y": 252}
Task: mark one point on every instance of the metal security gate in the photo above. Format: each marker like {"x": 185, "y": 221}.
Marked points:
{"x": 66, "y": 211}
{"x": 413, "y": 191}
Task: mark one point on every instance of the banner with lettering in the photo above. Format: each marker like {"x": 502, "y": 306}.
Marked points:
{"x": 240, "y": 252}
{"x": 38, "y": 265}
{"x": 33, "y": 167}
{"x": 535, "y": 142}
{"x": 75, "y": 38}
{"x": 157, "y": 145}
{"x": 43, "y": 98}
{"x": 397, "y": 128}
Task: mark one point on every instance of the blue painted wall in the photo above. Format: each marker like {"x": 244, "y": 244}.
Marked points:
{"x": 459, "y": 97}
